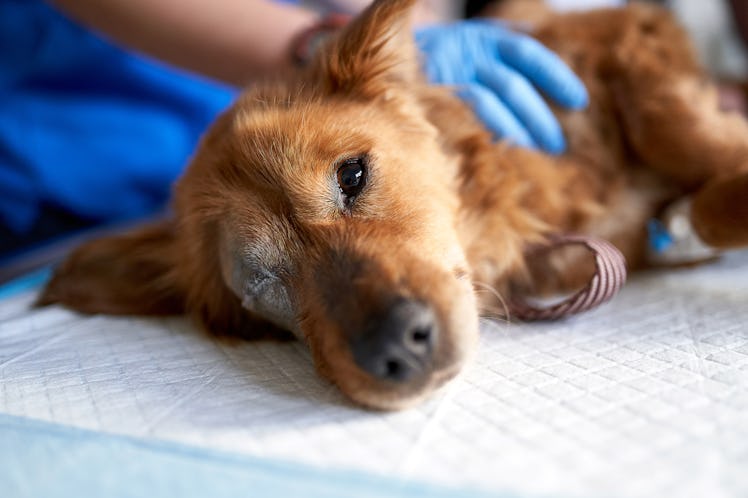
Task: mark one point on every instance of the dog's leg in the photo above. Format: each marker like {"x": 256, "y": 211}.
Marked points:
{"x": 681, "y": 132}
{"x": 719, "y": 212}
{"x": 673, "y": 122}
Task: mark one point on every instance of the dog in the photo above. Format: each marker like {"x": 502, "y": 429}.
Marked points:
{"x": 364, "y": 210}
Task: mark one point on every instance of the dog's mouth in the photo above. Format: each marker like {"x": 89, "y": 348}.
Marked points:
{"x": 387, "y": 331}
{"x": 390, "y": 359}
{"x": 398, "y": 357}
{"x": 392, "y": 352}
{"x": 395, "y": 377}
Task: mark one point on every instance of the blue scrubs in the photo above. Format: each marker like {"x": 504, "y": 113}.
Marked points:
{"x": 87, "y": 129}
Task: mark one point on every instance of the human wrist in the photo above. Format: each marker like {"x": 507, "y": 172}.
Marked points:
{"x": 306, "y": 43}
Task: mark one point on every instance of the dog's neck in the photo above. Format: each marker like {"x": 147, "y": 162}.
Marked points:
{"x": 505, "y": 191}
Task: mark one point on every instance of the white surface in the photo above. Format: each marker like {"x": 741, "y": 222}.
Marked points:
{"x": 647, "y": 396}
{"x": 712, "y": 28}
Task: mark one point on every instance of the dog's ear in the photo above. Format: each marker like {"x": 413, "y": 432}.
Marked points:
{"x": 373, "y": 52}
{"x": 123, "y": 275}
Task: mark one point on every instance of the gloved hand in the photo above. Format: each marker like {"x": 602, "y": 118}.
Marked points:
{"x": 494, "y": 70}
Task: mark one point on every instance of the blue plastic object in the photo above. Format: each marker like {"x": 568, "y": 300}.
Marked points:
{"x": 660, "y": 238}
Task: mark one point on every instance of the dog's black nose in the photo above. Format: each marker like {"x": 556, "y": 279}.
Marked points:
{"x": 397, "y": 345}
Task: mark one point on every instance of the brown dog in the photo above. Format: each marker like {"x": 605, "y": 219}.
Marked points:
{"x": 358, "y": 207}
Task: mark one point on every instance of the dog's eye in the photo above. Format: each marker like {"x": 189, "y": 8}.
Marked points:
{"x": 352, "y": 176}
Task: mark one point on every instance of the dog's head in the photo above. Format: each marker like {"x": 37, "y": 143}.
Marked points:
{"x": 324, "y": 204}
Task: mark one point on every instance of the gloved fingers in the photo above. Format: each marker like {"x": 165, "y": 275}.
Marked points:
{"x": 525, "y": 104}
{"x": 440, "y": 47}
{"x": 542, "y": 67}
{"x": 495, "y": 115}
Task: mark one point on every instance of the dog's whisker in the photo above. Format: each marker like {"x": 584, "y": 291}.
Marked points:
{"x": 483, "y": 286}
{"x": 495, "y": 316}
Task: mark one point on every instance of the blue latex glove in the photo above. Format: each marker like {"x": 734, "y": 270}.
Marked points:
{"x": 496, "y": 71}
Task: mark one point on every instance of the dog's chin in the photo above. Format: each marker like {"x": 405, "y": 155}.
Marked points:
{"x": 401, "y": 398}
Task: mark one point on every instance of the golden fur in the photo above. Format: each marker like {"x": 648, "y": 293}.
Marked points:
{"x": 445, "y": 212}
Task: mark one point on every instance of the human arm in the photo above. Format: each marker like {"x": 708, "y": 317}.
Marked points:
{"x": 233, "y": 41}
{"x": 236, "y": 41}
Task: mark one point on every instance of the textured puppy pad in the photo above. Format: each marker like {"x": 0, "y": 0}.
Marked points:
{"x": 646, "y": 396}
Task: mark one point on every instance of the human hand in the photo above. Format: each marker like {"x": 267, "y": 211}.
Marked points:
{"x": 496, "y": 71}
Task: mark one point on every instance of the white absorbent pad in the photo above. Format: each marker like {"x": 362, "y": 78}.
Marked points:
{"x": 645, "y": 396}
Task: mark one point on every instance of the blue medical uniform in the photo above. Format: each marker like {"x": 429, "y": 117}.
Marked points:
{"x": 87, "y": 129}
